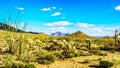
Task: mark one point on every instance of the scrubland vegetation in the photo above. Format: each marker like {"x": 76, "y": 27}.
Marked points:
{"x": 25, "y": 50}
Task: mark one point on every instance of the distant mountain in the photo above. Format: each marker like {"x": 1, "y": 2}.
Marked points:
{"x": 103, "y": 36}
{"x": 59, "y": 34}
{"x": 9, "y": 28}
{"x": 98, "y": 36}
{"x": 108, "y": 37}
{"x": 32, "y": 32}
{"x": 41, "y": 33}
{"x": 79, "y": 34}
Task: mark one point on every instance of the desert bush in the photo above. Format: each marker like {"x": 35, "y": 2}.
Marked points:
{"x": 9, "y": 59}
{"x": 27, "y": 57}
{"x": 58, "y": 55}
{"x": 93, "y": 51}
{"x": 106, "y": 47}
{"x": 17, "y": 64}
{"x": 46, "y": 58}
{"x": 10, "y": 43}
{"x": 84, "y": 53}
{"x": 69, "y": 51}
{"x": 68, "y": 54}
{"x": 71, "y": 55}
{"x": 30, "y": 65}
{"x": 106, "y": 64}
{"x": 15, "y": 45}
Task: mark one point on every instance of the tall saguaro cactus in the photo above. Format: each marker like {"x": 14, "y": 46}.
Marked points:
{"x": 116, "y": 36}
{"x": 88, "y": 41}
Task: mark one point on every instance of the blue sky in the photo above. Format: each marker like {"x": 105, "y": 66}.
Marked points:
{"x": 93, "y": 17}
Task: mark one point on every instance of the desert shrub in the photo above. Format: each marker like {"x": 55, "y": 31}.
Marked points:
{"x": 58, "y": 55}
{"x": 30, "y": 65}
{"x": 69, "y": 51}
{"x": 106, "y": 47}
{"x": 84, "y": 54}
{"x": 106, "y": 64}
{"x": 93, "y": 51}
{"x": 17, "y": 65}
{"x": 46, "y": 58}
{"x": 77, "y": 54}
{"x": 78, "y": 45}
{"x": 27, "y": 57}
{"x": 68, "y": 54}
{"x": 71, "y": 55}
{"x": 9, "y": 59}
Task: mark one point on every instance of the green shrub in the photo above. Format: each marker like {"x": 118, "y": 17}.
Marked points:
{"x": 46, "y": 58}
{"x": 107, "y": 47}
{"x": 71, "y": 55}
{"x": 58, "y": 55}
{"x": 30, "y": 65}
{"x": 106, "y": 64}
{"x": 77, "y": 54}
{"x": 17, "y": 65}
{"x": 84, "y": 54}
{"x": 68, "y": 54}
{"x": 9, "y": 59}
{"x": 27, "y": 57}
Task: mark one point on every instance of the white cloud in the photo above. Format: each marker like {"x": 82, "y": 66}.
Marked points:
{"x": 19, "y": 8}
{"x": 59, "y": 23}
{"x": 56, "y": 14}
{"x": 84, "y": 25}
{"x": 61, "y": 29}
{"x": 117, "y": 8}
{"x": 100, "y": 30}
{"x": 53, "y": 7}
{"x": 46, "y": 9}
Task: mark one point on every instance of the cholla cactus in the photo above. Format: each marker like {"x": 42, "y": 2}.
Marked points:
{"x": 10, "y": 42}
{"x": 30, "y": 42}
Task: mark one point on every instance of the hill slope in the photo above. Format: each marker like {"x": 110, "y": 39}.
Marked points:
{"x": 9, "y": 28}
{"x": 79, "y": 34}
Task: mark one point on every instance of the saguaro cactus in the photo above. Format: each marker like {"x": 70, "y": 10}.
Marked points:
{"x": 88, "y": 41}
{"x": 116, "y": 36}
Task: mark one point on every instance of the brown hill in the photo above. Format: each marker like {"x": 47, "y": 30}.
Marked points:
{"x": 79, "y": 34}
